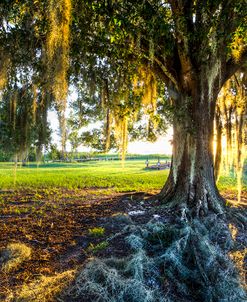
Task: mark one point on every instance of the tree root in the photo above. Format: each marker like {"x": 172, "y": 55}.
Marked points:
{"x": 184, "y": 261}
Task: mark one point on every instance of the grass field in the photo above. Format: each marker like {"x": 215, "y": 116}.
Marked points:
{"x": 112, "y": 175}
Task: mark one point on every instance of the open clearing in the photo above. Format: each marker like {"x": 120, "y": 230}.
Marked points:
{"x": 112, "y": 175}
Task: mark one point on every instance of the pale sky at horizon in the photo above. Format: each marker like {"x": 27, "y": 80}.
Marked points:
{"x": 161, "y": 146}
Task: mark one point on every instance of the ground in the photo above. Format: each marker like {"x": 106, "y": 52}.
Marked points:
{"x": 65, "y": 227}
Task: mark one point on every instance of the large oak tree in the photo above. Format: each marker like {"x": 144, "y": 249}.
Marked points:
{"x": 194, "y": 47}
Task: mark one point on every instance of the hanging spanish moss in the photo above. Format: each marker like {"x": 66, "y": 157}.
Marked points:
{"x": 105, "y": 104}
{"x": 118, "y": 108}
{"x": 12, "y": 111}
{"x": 4, "y": 64}
{"x": 24, "y": 122}
{"x": 63, "y": 134}
{"x": 35, "y": 102}
{"x": 18, "y": 121}
{"x": 59, "y": 14}
{"x": 108, "y": 128}
{"x": 145, "y": 85}
{"x": 41, "y": 124}
{"x": 148, "y": 86}
{"x": 121, "y": 134}
{"x": 58, "y": 42}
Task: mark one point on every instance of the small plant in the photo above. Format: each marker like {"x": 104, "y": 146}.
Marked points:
{"x": 2, "y": 201}
{"x": 97, "y": 232}
{"x": 38, "y": 196}
{"x": 17, "y": 211}
{"x": 94, "y": 248}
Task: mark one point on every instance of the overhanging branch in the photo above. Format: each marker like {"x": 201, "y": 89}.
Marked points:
{"x": 232, "y": 66}
{"x": 168, "y": 75}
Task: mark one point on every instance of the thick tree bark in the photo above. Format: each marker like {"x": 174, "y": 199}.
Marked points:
{"x": 191, "y": 182}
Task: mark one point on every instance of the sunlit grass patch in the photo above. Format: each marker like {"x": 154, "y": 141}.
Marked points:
{"x": 14, "y": 255}
{"x": 110, "y": 176}
{"x": 104, "y": 175}
{"x": 44, "y": 289}
{"x": 96, "y": 232}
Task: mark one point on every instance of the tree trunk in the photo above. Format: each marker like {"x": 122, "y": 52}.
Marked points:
{"x": 239, "y": 117}
{"x": 108, "y": 131}
{"x": 38, "y": 153}
{"x": 218, "y": 151}
{"x": 228, "y": 117}
{"x": 191, "y": 183}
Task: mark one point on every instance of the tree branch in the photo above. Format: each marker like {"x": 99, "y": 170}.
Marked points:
{"x": 232, "y": 66}
{"x": 168, "y": 75}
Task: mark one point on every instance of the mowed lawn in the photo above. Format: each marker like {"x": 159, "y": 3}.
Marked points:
{"x": 130, "y": 175}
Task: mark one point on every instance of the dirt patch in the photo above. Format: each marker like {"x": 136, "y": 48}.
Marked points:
{"x": 56, "y": 223}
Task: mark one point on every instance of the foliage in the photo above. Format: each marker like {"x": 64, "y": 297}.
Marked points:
{"x": 96, "y": 232}
{"x": 181, "y": 52}
{"x": 94, "y": 248}
{"x": 54, "y": 153}
{"x": 95, "y": 139}
{"x": 120, "y": 58}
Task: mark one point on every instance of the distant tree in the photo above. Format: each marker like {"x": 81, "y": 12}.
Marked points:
{"x": 118, "y": 107}
{"x": 54, "y": 153}
{"x": 75, "y": 141}
{"x": 231, "y": 121}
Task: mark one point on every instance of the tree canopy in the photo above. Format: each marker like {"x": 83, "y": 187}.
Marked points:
{"x": 181, "y": 62}
{"x": 125, "y": 59}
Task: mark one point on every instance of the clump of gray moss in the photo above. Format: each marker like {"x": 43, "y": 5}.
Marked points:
{"x": 183, "y": 261}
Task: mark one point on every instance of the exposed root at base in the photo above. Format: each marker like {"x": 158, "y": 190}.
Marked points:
{"x": 179, "y": 262}
{"x": 191, "y": 207}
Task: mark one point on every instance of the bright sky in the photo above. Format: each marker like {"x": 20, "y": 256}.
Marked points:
{"x": 161, "y": 146}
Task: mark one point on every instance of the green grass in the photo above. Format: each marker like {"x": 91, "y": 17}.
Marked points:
{"x": 104, "y": 174}
{"x": 94, "y": 248}
{"x": 96, "y": 232}
{"x": 130, "y": 176}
